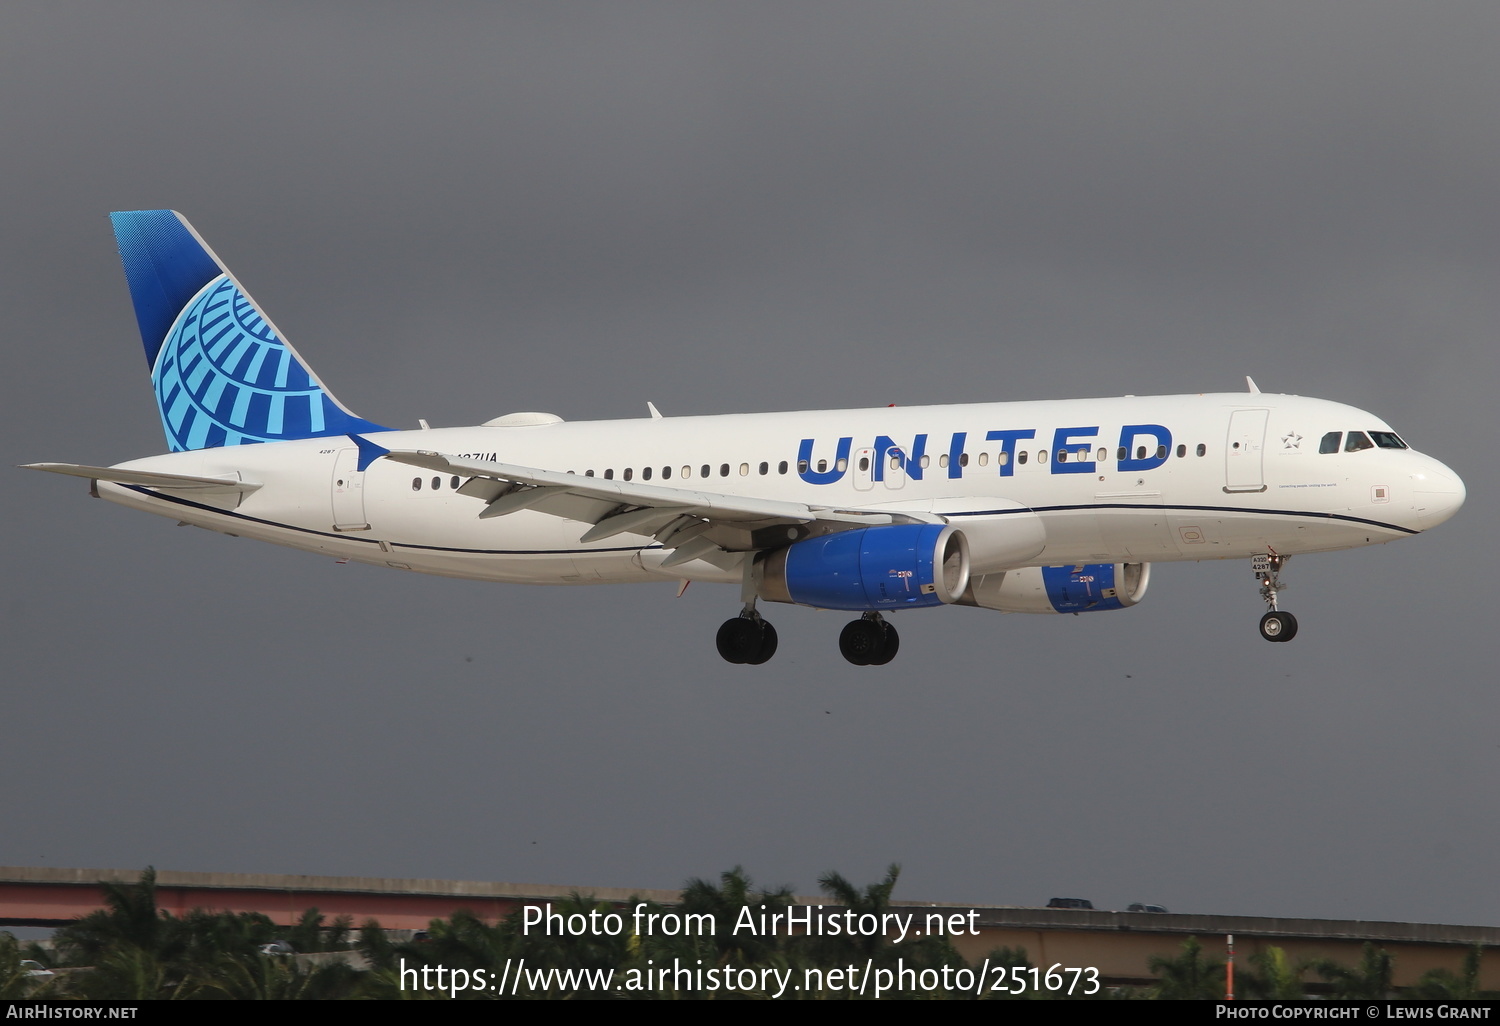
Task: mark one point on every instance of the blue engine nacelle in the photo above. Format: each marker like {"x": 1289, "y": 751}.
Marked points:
{"x": 1060, "y": 589}
{"x": 901, "y": 566}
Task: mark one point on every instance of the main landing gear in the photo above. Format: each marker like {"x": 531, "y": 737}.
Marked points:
{"x": 869, "y": 641}
{"x": 747, "y": 639}
{"x": 1275, "y": 625}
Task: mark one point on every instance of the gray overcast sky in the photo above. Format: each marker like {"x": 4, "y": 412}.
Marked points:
{"x": 461, "y": 210}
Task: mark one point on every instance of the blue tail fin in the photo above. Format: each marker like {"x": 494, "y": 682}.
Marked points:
{"x": 223, "y": 374}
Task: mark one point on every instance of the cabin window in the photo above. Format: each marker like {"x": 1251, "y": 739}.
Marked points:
{"x": 864, "y": 464}
{"x": 704, "y": 472}
{"x": 437, "y": 483}
{"x": 1356, "y": 441}
{"x": 1021, "y": 456}
{"x": 1140, "y": 452}
{"x": 416, "y": 484}
{"x": 1202, "y": 449}
{"x": 984, "y": 459}
{"x": 1181, "y": 451}
{"x": 942, "y": 460}
{"x": 801, "y": 466}
{"x": 963, "y": 459}
{"x": 822, "y": 466}
{"x": 588, "y": 473}
{"x": 926, "y": 461}
{"x": 1161, "y": 452}
{"x": 1062, "y": 455}
{"x": 1120, "y": 453}
{"x": 1002, "y": 458}
{"x": 744, "y": 470}
{"x": 609, "y": 475}
{"x": 1102, "y": 455}
{"x": 454, "y": 483}
{"x": 666, "y": 473}
{"x": 765, "y": 468}
{"x": 781, "y": 467}
{"x": 895, "y": 462}
{"x": 645, "y": 474}
{"x": 687, "y": 472}
{"x": 723, "y": 470}
{"x": 841, "y": 466}
{"x": 1041, "y": 455}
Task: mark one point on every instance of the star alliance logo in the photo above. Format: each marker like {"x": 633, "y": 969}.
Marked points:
{"x": 1291, "y": 440}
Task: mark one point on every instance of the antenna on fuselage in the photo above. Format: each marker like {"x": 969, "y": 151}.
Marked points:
{"x": 655, "y": 413}
{"x": 1251, "y": 386}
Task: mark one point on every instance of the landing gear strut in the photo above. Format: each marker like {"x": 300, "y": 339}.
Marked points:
{"x": 869, "y": 641}
{"x": 1275, "y": 625}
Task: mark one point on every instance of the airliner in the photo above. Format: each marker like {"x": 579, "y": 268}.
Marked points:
{"x": 1018, "y": 507}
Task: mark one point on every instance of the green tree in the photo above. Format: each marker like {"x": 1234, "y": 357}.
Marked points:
{"x": 130, "y": 917}
{"x": 14, "y": 983}
{"x": 1371, "y": 979}
{"x": 726, "y": 902}
{"x": 260, "y": 977}
{"x": 126, "y": 972}
{"x": 1276, "y": 975}
{"x": 1189, "y": 976}
{"x": 875, "y": 900}
{"x": 1443, "y": 985}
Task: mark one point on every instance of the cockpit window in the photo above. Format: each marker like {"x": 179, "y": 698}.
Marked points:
{"x": 1388, "y": 439}
{"x": 1358, "y": 440}
{"x": 1330, "y": 442}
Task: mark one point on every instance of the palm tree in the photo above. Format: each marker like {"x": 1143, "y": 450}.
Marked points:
{"x": 1276, "y": 975}
{"x": 127, "y": 972}
{"x": 261, "y": 977}
{"x": 14, "y": 983}
{"x": 1189, "y": 976}
{"x": 875, "y": 900}
{"x": 131, "y": 917}
{"x": 1442, "y": 985}
{"x": 1372, "y": 979}
{"x": 726, "y": 902}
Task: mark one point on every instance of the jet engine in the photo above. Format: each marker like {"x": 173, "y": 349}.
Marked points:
{"x": 1060, "y": 589}
{"x": 900, "y": 566}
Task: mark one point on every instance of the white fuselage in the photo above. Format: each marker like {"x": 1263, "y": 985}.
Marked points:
{"x": 1242, "y": 474}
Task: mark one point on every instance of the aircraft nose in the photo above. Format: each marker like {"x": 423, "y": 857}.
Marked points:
{"x": 1437, "y": 494}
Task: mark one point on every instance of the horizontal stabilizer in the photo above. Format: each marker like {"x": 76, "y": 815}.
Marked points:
{"x": 176, "y": 482}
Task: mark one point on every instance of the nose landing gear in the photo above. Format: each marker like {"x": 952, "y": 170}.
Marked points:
{"x": 1276, "y": 625}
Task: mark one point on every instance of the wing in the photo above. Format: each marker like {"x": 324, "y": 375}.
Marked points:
{"x": 695, "y": 524}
